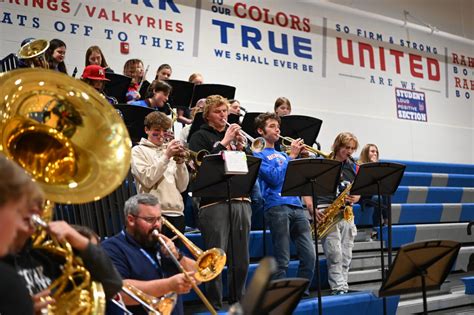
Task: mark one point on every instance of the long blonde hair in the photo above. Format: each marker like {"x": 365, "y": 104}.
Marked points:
{"x": 364, "y": 154}
{"x": 342, "y": 140}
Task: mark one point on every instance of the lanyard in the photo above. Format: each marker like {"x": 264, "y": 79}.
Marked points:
{"x": 147, "y": 256}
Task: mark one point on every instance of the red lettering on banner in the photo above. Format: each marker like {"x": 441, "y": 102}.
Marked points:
{"x": 349, "y": 59}
{"x": 90, "y": 10}
{"x": 366, "y": 47}
{"x": 264, "y": 15}
{"x": 419, "y": 66}
{"x": 466, "y": 84}
{"x": 461, "y": 60}
{"x": 382, "y": 58}
{"x": 133, "y": 19}
{"x": 397, "y": 54}
{"x": 433, "y": 69}
{"x": 52, "y": 5}
{"x": 414, "y": 66}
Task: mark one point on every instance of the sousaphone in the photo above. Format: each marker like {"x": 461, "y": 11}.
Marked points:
{"x": 64, "y": 133}
{"x": 76, "y": 146}
{"x": 33, "y": 53}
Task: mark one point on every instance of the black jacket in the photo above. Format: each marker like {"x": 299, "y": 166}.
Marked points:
{"x": 14, "y": 297}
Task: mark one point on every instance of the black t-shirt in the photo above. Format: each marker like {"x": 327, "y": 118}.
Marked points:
{"x": 36, "y": 267}
{"x": 348, "y": 174}
{"x": 14, "y": 297}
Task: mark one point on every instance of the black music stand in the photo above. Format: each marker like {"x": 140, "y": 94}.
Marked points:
{"x": 283, "y": 296}
{"x": 420, "y": 266}
{"x": 312, "y": 177}
{"x": 144, "y": 89}
{"x": 379, "y": 178}
{"x": 248, "y": 124}
{"x": 253, "y": 298}
{"x": 134, "y": 117}
{"x": 264, "y": 296}
{"x": 198, "y": 121}
{"x": 181, "y": 94}
{"x": 117, "y": 86}
{"x": 304, "y": 127}
{"x": 212, "y": 181}
{"x": 205, "y": 90}
{"x": 233, "y": 118}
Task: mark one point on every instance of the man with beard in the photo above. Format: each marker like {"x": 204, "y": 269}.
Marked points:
{"x": 138, "y": 258}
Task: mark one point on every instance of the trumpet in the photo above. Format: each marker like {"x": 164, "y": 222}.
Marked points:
{"x": 180, "y": 267}
{"x": 256, "y": 144}
{"x": 195, "y": 157}
{"x": 286, "y": 142}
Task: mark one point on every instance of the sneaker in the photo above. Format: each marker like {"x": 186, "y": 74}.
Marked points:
{"x": 337, "y": 292}
{"x": 373, "y": 236}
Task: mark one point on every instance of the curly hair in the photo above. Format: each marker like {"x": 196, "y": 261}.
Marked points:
{"x": 261, "y": 120}
{"x": 157, "y": 120}
{"x": 212, "y": 102}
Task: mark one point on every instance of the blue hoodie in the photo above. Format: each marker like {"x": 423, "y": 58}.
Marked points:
{"x": 271, "y": 177}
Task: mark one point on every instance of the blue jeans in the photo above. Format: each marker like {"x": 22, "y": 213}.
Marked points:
{"x": 289, "y": 222}
{"x": 257, "y": 207}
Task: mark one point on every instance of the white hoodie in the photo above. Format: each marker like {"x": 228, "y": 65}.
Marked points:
{"x": 154, "y": 173}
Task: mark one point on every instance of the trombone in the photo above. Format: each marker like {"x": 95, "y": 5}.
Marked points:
{"x": 256, "y": 144}
{"x": 289, "y": 140}
{"x": 158, "y": 306}
{"x": 180, "y": 267}
{"x": 209, "y": 263}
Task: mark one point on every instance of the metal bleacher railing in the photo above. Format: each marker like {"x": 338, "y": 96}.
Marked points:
{"x": 9, "y": 63}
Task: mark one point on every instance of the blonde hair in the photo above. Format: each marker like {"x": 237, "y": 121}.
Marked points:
{"x": 212, "y": 102}
{"x": 14, "y": 181}
{"x": 364, "y": 154}
{"x": 342, "y": 140}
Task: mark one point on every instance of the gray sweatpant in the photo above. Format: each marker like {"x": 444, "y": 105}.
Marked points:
{"x": 337, "y": 247}
{"x": 215, "y": 228}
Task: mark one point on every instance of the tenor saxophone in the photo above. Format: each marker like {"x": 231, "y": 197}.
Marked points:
{"x": 339, "y": 210}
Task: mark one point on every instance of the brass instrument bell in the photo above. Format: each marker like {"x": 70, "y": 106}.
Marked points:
{"x": 209, "y": 263}
{"x": 63, "y": 133}
{"x": 33, "y": 53}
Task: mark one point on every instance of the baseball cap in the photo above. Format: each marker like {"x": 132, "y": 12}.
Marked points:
{"x": 94, "y": 72}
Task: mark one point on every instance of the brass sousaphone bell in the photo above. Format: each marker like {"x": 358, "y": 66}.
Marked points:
{"x": 76, "y": 147}
{"x": 64, "y": 133}
{"x": 33, "y": 53}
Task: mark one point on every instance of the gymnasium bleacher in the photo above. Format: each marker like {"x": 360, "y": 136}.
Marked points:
{"x": 433, "y": 201}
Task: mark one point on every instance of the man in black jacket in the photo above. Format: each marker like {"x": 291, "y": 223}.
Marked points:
{"x": 213, "y": 212}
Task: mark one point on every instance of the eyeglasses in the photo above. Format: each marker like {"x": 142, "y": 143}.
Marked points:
{"x": 149, "y": 220}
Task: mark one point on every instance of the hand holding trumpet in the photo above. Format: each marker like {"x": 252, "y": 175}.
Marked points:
{"x": 295, "y": 148}
{"x": 232, "y": 134}
{"x": 175, "y": 149}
